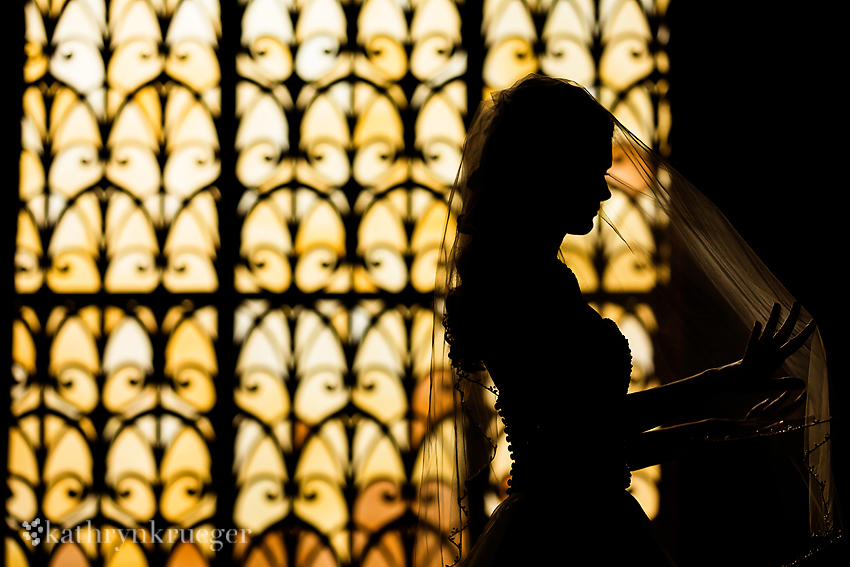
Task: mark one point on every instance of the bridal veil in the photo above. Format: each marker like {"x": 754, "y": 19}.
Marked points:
{"x": 706, "y": 289}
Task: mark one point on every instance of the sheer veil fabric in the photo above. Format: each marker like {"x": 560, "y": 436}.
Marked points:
{"x": 708, "y": 282}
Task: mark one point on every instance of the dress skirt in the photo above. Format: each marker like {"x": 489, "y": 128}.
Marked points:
{"x": 527, "y": 529}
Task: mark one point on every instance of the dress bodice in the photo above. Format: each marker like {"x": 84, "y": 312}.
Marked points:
{"x": 561, "y": 390}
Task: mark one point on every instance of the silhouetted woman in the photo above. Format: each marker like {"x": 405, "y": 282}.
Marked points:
{"x": 537, "y": 166}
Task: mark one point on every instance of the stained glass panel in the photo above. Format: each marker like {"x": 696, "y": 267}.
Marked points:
{"x": 346, "y": 151}
{"x": 120, "y": 147}
{"x": 114, "y": 433}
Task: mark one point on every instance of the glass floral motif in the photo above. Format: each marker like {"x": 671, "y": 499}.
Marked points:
{"x": 119, "y": 148}
{"x": 351, "y": 200}
{"x": 103, "y": 440}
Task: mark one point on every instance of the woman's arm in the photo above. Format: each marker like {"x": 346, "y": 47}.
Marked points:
{"x": 766, "y": 351}
{"x": 650, "y": 408}
{"x": 667, "y": 443}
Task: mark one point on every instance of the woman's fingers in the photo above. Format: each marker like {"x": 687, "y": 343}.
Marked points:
{"x": 798, "y": 401}
{"x": 788, "y": 327}
{"x": 778, "y": 408}
{"x": 770, "y": 326}
{"x": 775, "y": 404}
{"x": 769, "y": 406}
{"x": 754, "y": 336}
{"x": 780, "y": 405}
{"x": 794, "y": 344}
{"x": 768, "y": 349}
{"x": 781, "y": 340}
{"x": 759, "y": 409}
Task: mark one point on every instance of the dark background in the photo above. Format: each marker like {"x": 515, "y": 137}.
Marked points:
{"x": 756, "y": 126}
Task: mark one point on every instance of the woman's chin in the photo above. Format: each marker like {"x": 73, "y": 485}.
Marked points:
{"x": 581, "y": 229}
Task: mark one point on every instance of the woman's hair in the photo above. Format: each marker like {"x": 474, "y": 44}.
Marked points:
{"x": 531, "y": 139}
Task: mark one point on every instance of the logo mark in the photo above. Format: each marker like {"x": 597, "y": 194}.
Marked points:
{"x": 33, "y": 529}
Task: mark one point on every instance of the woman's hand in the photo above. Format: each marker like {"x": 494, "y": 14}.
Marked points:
{"x": 666, "y": 443}
{"x": 766, "y": 351}
{"x": 764, "y": 415}
{"x": 776, "y": 410}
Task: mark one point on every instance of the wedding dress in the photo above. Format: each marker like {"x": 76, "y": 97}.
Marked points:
{"x": 560, "y": 372}
{"x": 589, "y": 356}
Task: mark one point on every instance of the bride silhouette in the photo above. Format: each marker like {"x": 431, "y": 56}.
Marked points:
{"x": 539, "y": 162}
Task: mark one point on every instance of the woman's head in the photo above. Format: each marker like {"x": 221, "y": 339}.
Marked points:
{"x": 533, "y": 170}
{"x": 541, "y": 164}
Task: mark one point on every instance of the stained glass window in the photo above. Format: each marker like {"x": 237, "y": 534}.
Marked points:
{"x": 229, "y": 218}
